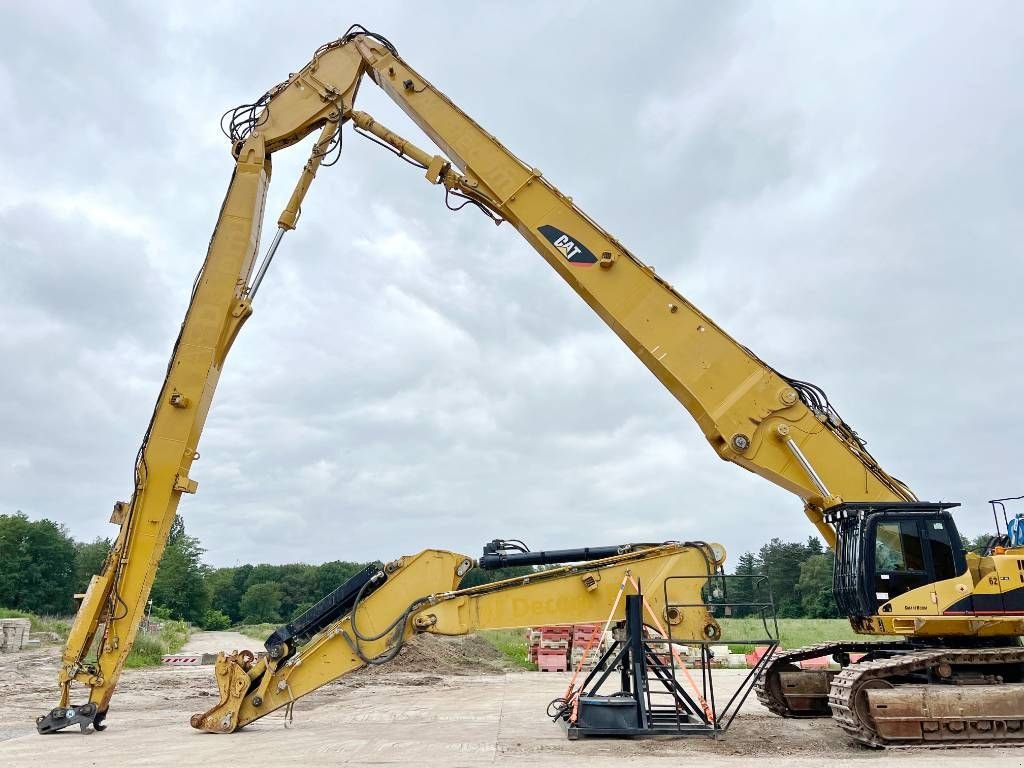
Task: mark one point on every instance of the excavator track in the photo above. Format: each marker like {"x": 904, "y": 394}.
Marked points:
{"x": 812, "y": 701}
{"x": 933, "y": 698}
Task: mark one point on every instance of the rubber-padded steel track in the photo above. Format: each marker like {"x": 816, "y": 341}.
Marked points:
{"x": 971, "y": 728}
{"x": 769, "y": 692}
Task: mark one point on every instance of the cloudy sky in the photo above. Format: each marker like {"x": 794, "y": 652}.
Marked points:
{"x": 839, "y": 186}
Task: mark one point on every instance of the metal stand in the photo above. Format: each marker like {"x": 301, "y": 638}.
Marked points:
{"x": 651, "y": 700}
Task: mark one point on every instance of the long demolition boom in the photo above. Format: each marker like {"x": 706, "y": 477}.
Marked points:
{"x": 779, "y": 428}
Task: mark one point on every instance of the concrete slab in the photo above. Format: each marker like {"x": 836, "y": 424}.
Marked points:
{"x": 402, "y": 719}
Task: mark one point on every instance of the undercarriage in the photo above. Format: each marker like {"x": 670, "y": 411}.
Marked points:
{"x": 904, "y": 695}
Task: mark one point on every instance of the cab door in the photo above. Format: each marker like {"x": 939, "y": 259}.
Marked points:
{"x": 901, "y": 563}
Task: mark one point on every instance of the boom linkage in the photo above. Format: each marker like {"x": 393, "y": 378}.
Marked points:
{"x": 752, "y": 416}
{"x": 419, "y": 594}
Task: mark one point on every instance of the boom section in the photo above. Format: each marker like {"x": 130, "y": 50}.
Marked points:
{"x": 419, "y": 594}
{"x": 106, "y": 624}
{"x": 749, "y": 413}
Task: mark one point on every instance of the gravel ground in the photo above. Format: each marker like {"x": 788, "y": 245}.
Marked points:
{"x": 444, "y": 702}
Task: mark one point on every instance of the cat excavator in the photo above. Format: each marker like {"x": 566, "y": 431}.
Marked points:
{"x": 955, "y": 676}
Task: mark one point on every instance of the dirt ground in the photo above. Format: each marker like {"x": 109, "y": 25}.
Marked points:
{"x": 451, "y": 702}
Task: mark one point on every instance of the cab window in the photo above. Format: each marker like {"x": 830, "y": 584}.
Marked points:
{"x": 898, "y": 547}
{"x": 941, "y": 550}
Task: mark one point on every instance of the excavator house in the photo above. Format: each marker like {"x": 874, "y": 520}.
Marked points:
{"x": 955, "y": 673}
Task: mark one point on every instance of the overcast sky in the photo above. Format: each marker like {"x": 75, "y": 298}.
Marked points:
{"x": 838, "y": 185}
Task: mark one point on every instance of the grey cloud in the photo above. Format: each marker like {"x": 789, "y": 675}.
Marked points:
{"x": 835, "y": 185}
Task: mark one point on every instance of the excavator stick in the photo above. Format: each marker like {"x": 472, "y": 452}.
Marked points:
{"x": 783, "y": 429}
{"x": 418, "y": 594}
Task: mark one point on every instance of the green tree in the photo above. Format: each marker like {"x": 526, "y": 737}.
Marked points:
{"x": 180, "y": 584}
{"x": 815, "y": 585}
{"x": 780, "y": 562}
{"x": 744, "y": 588}
{"x": 224, "y": 585}
{"x": 261, "y": 603}
{"x": 332, "y": 575}
{"x": 299, "y": 586}
{"x": 37, "y": 565}
{"x": 477, "y": 576}
{"x": 978, "y": 544}
{"x": 89, "y": 561}
{"x": 215, "y": 620}
{"x": 814, "y": 546}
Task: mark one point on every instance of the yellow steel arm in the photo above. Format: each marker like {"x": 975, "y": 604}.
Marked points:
{"x": 108, "y": 619}
{"x": 749, "y": 413}
{"x": 419, "y": 595}
{"x": 778, "y": 428}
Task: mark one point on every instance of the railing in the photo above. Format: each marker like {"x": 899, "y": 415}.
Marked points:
{"x": 745, "y": 600}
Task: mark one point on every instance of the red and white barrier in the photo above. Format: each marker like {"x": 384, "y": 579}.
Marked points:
{"x": 182, "y": 660}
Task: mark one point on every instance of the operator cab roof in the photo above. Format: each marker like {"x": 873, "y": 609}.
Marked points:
{"x": 856, "y": 509}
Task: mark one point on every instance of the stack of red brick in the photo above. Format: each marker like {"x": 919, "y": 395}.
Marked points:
{"x": 586, "y": 646}
{"x": 559, "y": 648}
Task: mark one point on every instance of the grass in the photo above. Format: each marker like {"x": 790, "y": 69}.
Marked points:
{"x": 58, "y": 625}
{"x": 512, "y": 643}
{"x": 256, "y": 631}
{"x": 149, "y": 647}
{"x": 793, "y": 633}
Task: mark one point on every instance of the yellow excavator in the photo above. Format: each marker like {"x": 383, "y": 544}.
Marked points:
{"x": 955, "y": 677}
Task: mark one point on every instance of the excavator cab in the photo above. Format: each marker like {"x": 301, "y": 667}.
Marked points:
{"x": 885, "y": 550}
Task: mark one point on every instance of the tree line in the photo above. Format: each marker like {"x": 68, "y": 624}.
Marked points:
{"x": 42, "y": 567}
{"x": 799, "y": 575}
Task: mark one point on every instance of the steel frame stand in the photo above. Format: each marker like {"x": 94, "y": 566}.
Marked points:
{"x": 650, "y": 700}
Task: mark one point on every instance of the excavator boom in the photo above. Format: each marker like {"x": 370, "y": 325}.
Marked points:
{"x": 750, "y": 414}
{"x": 419, "y": 594}
{"x": 780, "y": 428}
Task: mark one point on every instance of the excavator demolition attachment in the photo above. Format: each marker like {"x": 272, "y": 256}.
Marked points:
{"x": 957, "y": 677}
{"x": 367, "y": 620}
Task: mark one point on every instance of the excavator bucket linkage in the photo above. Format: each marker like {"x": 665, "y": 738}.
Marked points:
{"x": 367, "y": 620}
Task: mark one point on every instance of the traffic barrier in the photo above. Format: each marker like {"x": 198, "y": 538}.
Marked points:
{"x": 182, "y": 659}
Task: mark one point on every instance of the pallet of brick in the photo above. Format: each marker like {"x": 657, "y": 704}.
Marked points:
{"x": 579, "y": 650}
{"x": 552, "y": 660}
{"x": 590, "y": 658}
{"x": 557, "y": 638}
{"x": 662, "y": 649}
{"x": 821, "y": 662}
{"x": 583, "y": 634}
{"x": 532, "y": 643}
{"x": 719, "y": 655}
